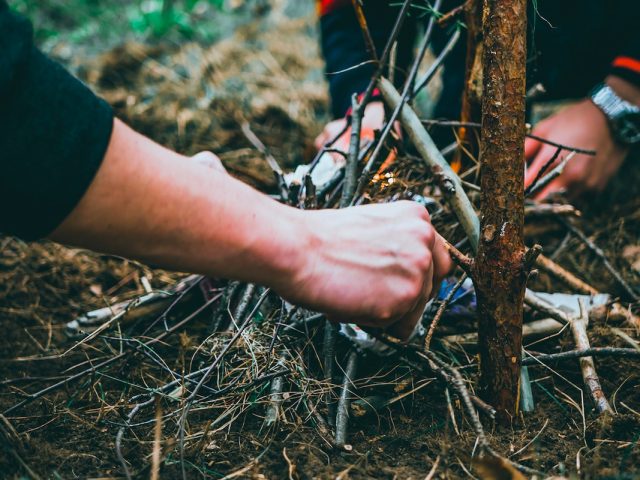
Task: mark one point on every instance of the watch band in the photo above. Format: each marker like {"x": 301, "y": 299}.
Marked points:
{"x": 610, "y": 103}
{"x": 623, "y": 117}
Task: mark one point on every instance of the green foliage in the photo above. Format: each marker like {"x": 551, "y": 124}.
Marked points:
{"x": 158, "y": 17}
{"x": 100, "y": 21}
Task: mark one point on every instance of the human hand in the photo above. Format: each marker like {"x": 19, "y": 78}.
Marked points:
{"x": 374, "y": 265}
{"x": 372, "y": 120}
{"x": 582, "y": 125}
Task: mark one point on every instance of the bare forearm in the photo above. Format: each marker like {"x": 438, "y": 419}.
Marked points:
{"x": 157, "y": 206}
{"x": 374, "y": 264}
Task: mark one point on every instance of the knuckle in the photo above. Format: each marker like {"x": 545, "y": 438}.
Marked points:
{"x": 429, "y": 236}
{"x": 423, "y": 262}
{"x": 415, "y": 209}
{"x": 427, "y": 260}
{"x": 423, "y": 212}
{"x": 410, "y": 294}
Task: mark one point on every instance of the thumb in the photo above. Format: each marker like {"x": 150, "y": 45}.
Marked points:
{"x": 442, "y": 263}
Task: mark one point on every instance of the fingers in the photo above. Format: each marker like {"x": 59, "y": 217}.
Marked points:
{"x": 543, "y": 156}
{"x": 442, "y": 263}
{"x": 391, "y": 277}
{"x": 404, "y": 327}
{"x": 320, "y": 140}
{"x": 556, "y": 186}
{"x": 439, "y": 260}
{"x": 531, "y": 148}
{"x": 330, "y": 131}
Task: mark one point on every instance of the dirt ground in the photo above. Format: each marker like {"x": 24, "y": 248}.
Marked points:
{"x": 194, "y": 98}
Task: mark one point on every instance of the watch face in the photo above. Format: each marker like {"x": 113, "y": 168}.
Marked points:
{"x": 628, "y": 128}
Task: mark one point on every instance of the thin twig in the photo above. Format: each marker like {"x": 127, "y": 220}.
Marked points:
{"x": 560, "y": 145}
{"x": 351, "y": 170}
{"x": 109, "y": 361}
{"x": 329, "y": 354}
{"x": 587, "y": 365}
{"x": 157, "y": 440}
{"x": 537, "y": 303}
{"x": 437, "y": 63}
{"x": 549, "y": 177}
{"x": 455, "y": 123}
{"x": 542, "y": 171}
{"x": 441, "y": 309}
{"x": 564, "y": 275}
{"x": 273, "y": 163}
{"x": 537, "y": 328}
{"x": 342, "y": 414}
{"x": 587, "y": 352}
{"x": 453, "y": 14}
{"x": 406, "y": 95}
{"x": 395, "y": 31}
{"x": 275, "y": 395}
{"x": 605, "y": 261}
{"x": 460, "y": 259}
{"x": 449, "y": 182}
{"x": 362, "y": 21}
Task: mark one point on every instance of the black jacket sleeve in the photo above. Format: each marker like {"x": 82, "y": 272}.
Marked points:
{"x": 343, "y": 47}
{"x": 54, "y": 133}
{"x": 626, "y": 64}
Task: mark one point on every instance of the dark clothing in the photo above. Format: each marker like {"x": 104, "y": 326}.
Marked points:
{"x": 343, "y": 47}
{"x": 54, "y": 133}
{"x": 573, "y": 45}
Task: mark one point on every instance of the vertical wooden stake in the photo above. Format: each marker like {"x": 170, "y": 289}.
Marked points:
{"x": 500, "y": 272}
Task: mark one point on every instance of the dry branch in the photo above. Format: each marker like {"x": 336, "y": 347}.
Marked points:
{"x": 564, "y": 275}
{"x": 589, "y": 352}
{"x": 537, "y": 328}
{"x": 342, "y": 414}
{"x": 587, "y": 365}
{"x": 448, "y": 180}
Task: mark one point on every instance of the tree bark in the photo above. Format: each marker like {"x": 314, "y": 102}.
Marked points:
{"x": 500, "y": 271}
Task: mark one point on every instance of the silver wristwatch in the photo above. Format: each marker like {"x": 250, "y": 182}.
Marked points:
{"x": 623, "y": 117}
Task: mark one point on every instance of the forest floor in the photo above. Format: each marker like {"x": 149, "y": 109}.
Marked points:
{"x": 193, "y": 96}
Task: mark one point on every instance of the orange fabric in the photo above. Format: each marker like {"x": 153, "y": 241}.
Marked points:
{"x": 628, "y": 63}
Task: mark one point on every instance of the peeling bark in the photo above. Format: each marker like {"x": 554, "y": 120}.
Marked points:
{"x": 500, "y": 272}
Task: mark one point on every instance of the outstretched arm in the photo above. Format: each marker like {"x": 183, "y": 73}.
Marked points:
{"x": 375, "y": 265}
{"x": 71, "y": 172}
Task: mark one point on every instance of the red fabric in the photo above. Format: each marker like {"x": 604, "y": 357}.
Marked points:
{"x": 627, "y": 63}
{"x": 375, "y": 95}
{"x": 327, "y": 6}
